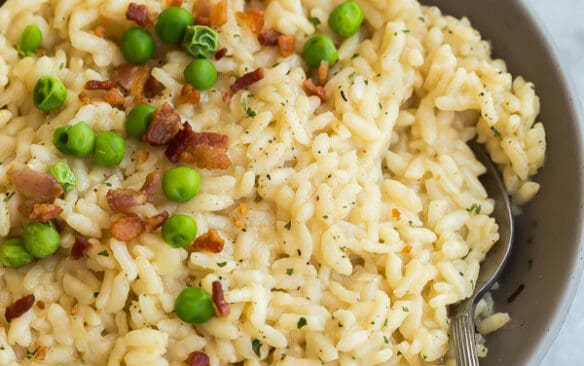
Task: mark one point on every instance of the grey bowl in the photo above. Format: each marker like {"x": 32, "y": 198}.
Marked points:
{"x": 541, "y": 278}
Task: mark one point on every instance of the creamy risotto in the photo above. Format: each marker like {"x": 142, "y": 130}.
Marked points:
{"x": 326, "y": 209}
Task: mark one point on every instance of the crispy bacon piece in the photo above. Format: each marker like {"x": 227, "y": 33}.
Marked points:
{"x": 154, "y": 222}
{"x": 114, "y": 97}
{"x": 19, "y": 307}
{"x": 164, "y": 125}
{"x": 83, "y": 97}
{"x": 170, "y": 3}
{"x": 44, "y": 212}
{"x": 218, "y": 14}
{"x": 252, "y": 18}
{"x": 41, "y": 304}
{"x": 219, "y": 299}
{"x": 189, "y": 95}
{"x": 205, "y": 149}
{"x": 210, "y": 241}
{"x": 132, "y": 78}
{"x": 121, "y": 199}
{"x": 152, "y": 183}
{"x": 36, "y": 186}
{"x": 138, "y": 13}
{"x": 80, "y": 248}
{"x": 246, "y": 80}
{"x": 198, "y": 359}
{"x": 127, "y": 227}
{"x": 153, "y": 87}
{"x": 269, "y": 37}
{"x": 220, "y": 53}
{"x": 100, "y": 85}
{"x": 312, "y": 89}
{"x": 323, "y": 71}
{"x": 287, "y": 44}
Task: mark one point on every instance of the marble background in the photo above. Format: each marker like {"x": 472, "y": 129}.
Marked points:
{"x": 564, "y": 22}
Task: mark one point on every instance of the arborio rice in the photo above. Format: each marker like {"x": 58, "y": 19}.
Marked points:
{"x": 349, "y": 226}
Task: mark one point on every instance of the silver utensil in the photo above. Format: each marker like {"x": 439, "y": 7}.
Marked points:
{"x": 462, "y": 324}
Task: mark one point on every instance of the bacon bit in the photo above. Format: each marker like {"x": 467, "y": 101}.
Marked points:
{"x": 198, "y": 359}
{"x": 312, "y": 89}
{"x": 323, "y": 71}
{"x": 406, "y": 249}
{"x": 100, "y": 85}
{"x": 269, "y": 37}
{"x": 142, "y": 156}
{"x": 80, "y": 248}
{"x": 201, "y": 8}
{"x": 170, "y": 3}
{"x": 219, "y": 299}
{"x": 138, "y": 13}
{"x": 395, "y": 213}
{"x": 127, "y": 227}
{"x": 205, "y": 149}
{"x": 83, "y": 97}
{"x": 247, "y": 79}
{"x": 132, "y": 78}
{"x": 220, "y": 53}
{"x": 164, "y": 126}
{"x": 201, "y": 20}
{"x": 218, "y": 15}
{"x": 287, "y": 44}
{"x": 226, "y": 95}
{"x": 121, "y": 199}
{"x": 189, "y": 95}
{"x": 243, "y": 209}
{"x": 19, "y": 307}
{"x": 210, "y": 241}
{"x": 152, "y": 183}
{"x": 44, "y": 212}
{"x": 41, "y": 304}
{"x": 253, "y": 19}
{"x": 114, "y": 97}
{"x": 37, "y": 186}
{"x": 40, "y": 52}
{"x": 238, "y": 223}
{"x": 40, "y": 353}
{"x": 99, "y": 31}
{"x": 154, "y": 222}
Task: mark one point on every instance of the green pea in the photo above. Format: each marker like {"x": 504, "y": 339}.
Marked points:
{"x": 194, "y": 305}
{"x": 49, "y": 93}
{"x": 346, "y": 18}
{"x": 109, "y": 149}
{"x": 200, "y": 41}
{"x": 30, "y": 40}
{"x": 320, "y": 48}
{"x": 40, "y": 240}
{"x": 138, "y": 120}
{"x": 64, "y": 175}
{"x": 137, "y": 46}
{"x": 180, "y": 184}
{"x": 172, "y": 24}
{"x": 77, "y": 140}
{"x": 13, "y": 253}
{"x": 179, "y": 230}
{"x": 201, "y": 74}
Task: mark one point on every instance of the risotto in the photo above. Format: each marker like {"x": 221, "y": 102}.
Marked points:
{"x": 263, "y": 182}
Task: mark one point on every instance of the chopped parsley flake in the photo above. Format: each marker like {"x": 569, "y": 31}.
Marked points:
{"x": 9, "y": 196}
{"x": 61, "y": 65}
{"x": 288, "y": 225}
{"x": 405, "y": 309}
{"x": 325, "y": 217}
{"x": 476, "y": 208}
{"x": 496, "y": 133}
{"x": 314, "y": 20}
{"x": 289, "y": 271}
{"x": 386, "y": 340}
{"x": 96, "y": 294}
{"x": 250, "y": 112}
{"x": 103, "y": 253}
{"x": 256, "y": 345}
{"x": 301, "y": 322}
{"x": 343, "y": 248}
{"x": 221, "y": 264}
{"x": 344, "y": 96}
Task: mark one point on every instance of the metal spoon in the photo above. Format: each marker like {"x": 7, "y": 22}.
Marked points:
{"x": 462, "y": 324}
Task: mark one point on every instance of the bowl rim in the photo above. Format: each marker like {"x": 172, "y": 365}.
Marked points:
{"x": 574, "y": 101}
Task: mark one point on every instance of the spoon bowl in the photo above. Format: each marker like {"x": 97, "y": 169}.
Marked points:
{"x": 462, "y": 325}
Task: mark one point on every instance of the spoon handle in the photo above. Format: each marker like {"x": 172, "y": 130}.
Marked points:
{"x": 463, "y": 339}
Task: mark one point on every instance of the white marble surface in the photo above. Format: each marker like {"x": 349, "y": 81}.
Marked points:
{"x": 564, "y": 22}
